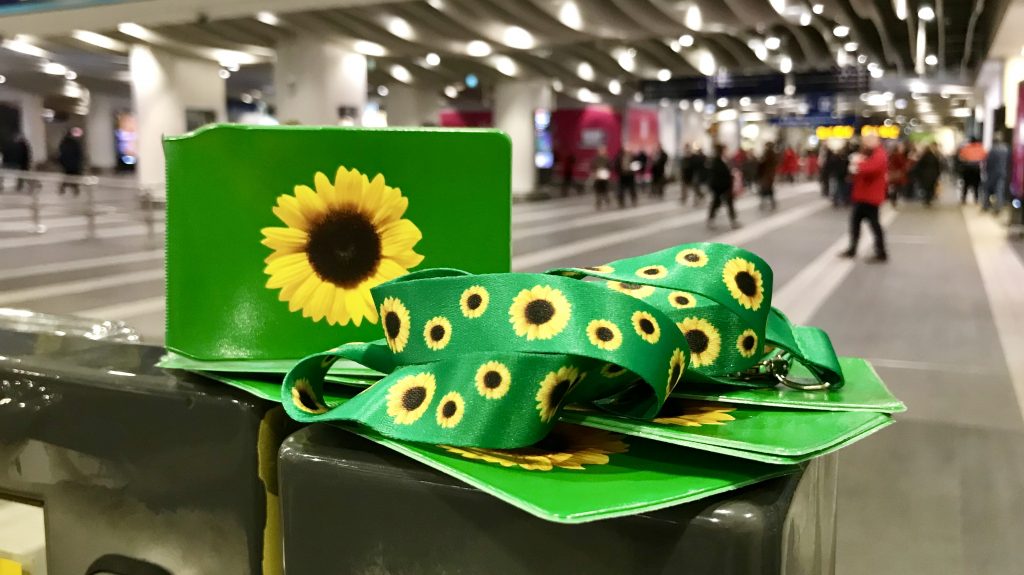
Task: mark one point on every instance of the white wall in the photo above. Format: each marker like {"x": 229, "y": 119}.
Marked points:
{"x": 669, "y": 130}
{"x": 1013, "y": 75}
{"x": 32, "y": 125}
{"x": 312, "y": 79}
{"x": 514, "y": 103}
{"x": 411, "y": 106}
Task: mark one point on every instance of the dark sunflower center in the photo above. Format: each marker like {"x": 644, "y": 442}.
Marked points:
{"x": 604, "y": 334}
{"x": 307, "y": 400}
{"x": 344, "y": 248}
{"x": 698, "y": 340}
{"x": 474, "y": 301}
{"x": 449, "y": 409}
{"x": 746, "y": 283}
{"x": 414, "y": 397}
{"x": 392, "y": 324}
{"x": 651, "y": 271}
{"x": 539, "y": 311}
{"x": 692, "y": 258}
{"x": 437, "y": 332}
{"x": 492, "y": 379}
{"x": 629, "y": 285}
{"x": 558, "y": 392}
{"x": 682, "y": 300}
{"x": 748, "y": 342}
{"x": 646, "y": 326}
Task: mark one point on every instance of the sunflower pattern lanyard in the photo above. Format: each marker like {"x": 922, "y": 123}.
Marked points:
{"x": 490, "y": 360}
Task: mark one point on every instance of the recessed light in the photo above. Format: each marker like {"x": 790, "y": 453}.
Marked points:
{"x": 519, "y": 38}
{"x": 841, "y": 31}
{"x": 432, "y": 59}
{"x": 268, "y": 18}
{"x": 664, "y": 75}
{"x": 931, "y": 60}
{"x": 451, "y": 91}
{"x": 772, "y": 42}
{"x": 614, "y": 87}
{"x": 723, "y": 102}
{"x": 224, "y": 74}
{"x": 506, "y": 65}
{"x": 400, "y": 73}
{"x": 367, "y": 48}
{"x": 585, "y": 71}
{"x": 478, "y": 49}
{"x": 569, "y": 15}
{"x": 54, "y": 69}
{"x": 686, "y": 40}
{"x": 926, "y": 13}
{"x": 818, "y": 9}
{"x": 400, "y": 27}
{"x": 850, "y": 46}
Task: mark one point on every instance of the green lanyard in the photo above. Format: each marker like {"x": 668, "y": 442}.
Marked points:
{"x": 490, "y": 360}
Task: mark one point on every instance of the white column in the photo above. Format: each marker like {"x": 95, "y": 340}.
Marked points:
{"x": 33, "y": 126}
{"x": 514, "y": 104}
{"x": 99, "y": 132}
{"x": 314, "y": 79}
{"x": 729, "y": 134}
{"x": 164, "y": 87}
{"x": 668, "y": 130}
{"x": 412, "y": 106}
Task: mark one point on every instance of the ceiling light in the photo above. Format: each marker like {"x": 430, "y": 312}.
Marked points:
{"x": 638, "y": 97}
{"x": 451, "y": 91}
{"x": 698, "y": 106}
{"x": 850, "y": 46}
{"x": 21, "y": 45}
{"x": 135, "y": 31}
{"x": 818, "y": 8}
{"x": 268, "y": 18}
{"x": 614, "y": 87}
{"x": 400, "y": 27}
{"x": 917, "y": 86}
{"x": 367, "y": 48}
{"x": 926, "y": 13}
{"x": 506, "y": 65}
{"x": 684, "y": 104}
{"x": 436, "y": 4}
{"x": 224, "y": 74}
{"x": 99, "y": 40}
{"x": 877, "y": 73}
{"x": 246, "y": 98}
{"x": 686, "y": 40}
{"x": 585, "y": 71}
{"x": 962, "y": 113}
{"x": 779, "y": 6}
{"x": 862, "y": 59}
{"x": 70, "y": 75}
{"x": 786, "y": 65}
{"x": 519, "y": 38}
{"x": 472, "y": 81}
{"x": 723, "y": 102}
{"x": 432, "y": 59}
{"x": 789, "y": 90}
{"x": 3, "y": 79}
{"x": 770, "y": 100}
{"x": 557, "y": 85}
{"x": 675, "y": 46}
{"x": 54, "y": 69}
{"x": 400, "y": 73}
{"x": 900, "y": 6}
{"x": 805, "y": 19}
{"x": 760, "y": 50}
{"x": 706, "y": 65}
{"x": 626, "y": 58}
{"x": 931, "y": 60}
{"x": 478, "y": 49}
{"x": 664, "y": 75}
{"x": 841, "y": 31}
{"x": 694, "y": 20}
{"x": 585, "y": 95}
{"x": 383, "y": 91}
{"x": 842, "y": 58}
{"x": 744, "y": 101}
{"x": 569, "y": 15}
{"x": 728, "y": 115}
{"x": 772, "y": 42}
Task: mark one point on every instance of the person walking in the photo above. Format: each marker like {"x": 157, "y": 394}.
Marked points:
{"x": 898, "y": 166}
{"x": 627, "y": 177}
{"x": 568, "y": 173}
{"x": 928, "y": 169}
{"x": 685, "y": 174}
{"x": 658, "y": 173}
{"x": 71, "y": 158}
{"x": 827, "y": 163}
{"x": 720, "y": 181}
{"x": 700, "y": 174}
{"x": 870, "y": 168}
{"x": 766, "y": 172}
{"x": 17, "y": 156}
{"x": 997, "y": 167}
{"x": 971, "y": 157}
{"x": 601, "y": 173}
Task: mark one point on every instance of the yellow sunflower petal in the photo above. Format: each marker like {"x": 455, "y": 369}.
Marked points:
{"x": 370, "y": 310}
{"x": 399, "y": 236}
{"x": 304, "y": 291}
{"x": 389, "y": 269}
{"x": 292, "y": 274}
{"x": 339, "y": 310}
{"x": 286, "y": 262}
{"x": 391, "y": 208}
{"x": 320, "y": 302}
{"x": 356, "y": 307}
{"x": 284, "y": 237}
{"x": 325, "y": 189}
{"x": 311, "y": 205}
{"x": 290, "y": 214}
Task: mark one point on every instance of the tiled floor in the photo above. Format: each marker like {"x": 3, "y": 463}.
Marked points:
{"x": 942, "y": 492}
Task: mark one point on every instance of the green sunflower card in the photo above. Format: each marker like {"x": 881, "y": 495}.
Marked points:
{"x": 275, "y": 234}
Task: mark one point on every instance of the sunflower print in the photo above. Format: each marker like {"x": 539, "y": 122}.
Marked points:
{"x": 636, "y": 290}
{"x": 652, "y": 272}
{"x": 304, "y": 398}
{"x": 396, "y": 323}
{"x": 339, "y": 241}
{"x": 611, "y": 370}
{"x": 646, "y": 327}
{"x": 409, "y": 398}
{"x": 604, "y": 334}
{"x": 493, "y": 380}
{"x": 692, "y": 257}
{"x": 681, "y": 300}
{"x": 744, "y": 282}
{"x": 566, "y": 447}
{"x": 450, "y": 410}
{"x": 746, "y": 343}
{"x": 676, "y": 366}
{"x": 553, "y": 389}
{"x": 541, "y": 312}
{"x": 693, "y": 414}
{"x": 437, "y": 333}
{"x": 705, "y": 342}
{"x": 601, "y": 269}
{"x": 474, "y": 301}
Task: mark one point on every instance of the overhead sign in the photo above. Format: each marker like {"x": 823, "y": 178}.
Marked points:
{"x": 846, "y": 132}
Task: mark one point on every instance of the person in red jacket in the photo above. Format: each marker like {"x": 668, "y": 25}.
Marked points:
{"x": 870, "y": 169}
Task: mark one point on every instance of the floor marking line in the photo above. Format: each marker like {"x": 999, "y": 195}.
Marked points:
{"x": 50, "y": 239}
{"x": 123, "y": 311}
{"x": 1002, "y": 274}
{"x": 81, "y": 264}
{"x": 37, "y": 293}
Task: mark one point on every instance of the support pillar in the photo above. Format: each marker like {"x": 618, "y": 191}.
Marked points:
{"x": 514, "y": 105}
{"x": 318, "y": 83}
{"x": 100, "y": 124}
{"x": 33, "y": 126}
{"x": 411, "y": 106}
{"x": 165, "y": 87}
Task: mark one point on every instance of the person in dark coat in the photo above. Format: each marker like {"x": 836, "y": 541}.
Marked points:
{"x": 71, "y": 157}
{"x": 658, "y": 173}
{"x": 625, "y": 164}
{"x": 927, "y": 171}
{"x": 720, "y": 181}
{"x": 700, "y": 174}
{"x": 766, "y": 171}
{"x": 601, "y": 174}
{"x": 17, "y": 156}
{"x": 997, "y": 168}
{"x": 568, "y": 173}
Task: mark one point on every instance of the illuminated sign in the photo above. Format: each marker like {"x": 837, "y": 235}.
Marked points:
{"x": 847, "y": 132}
